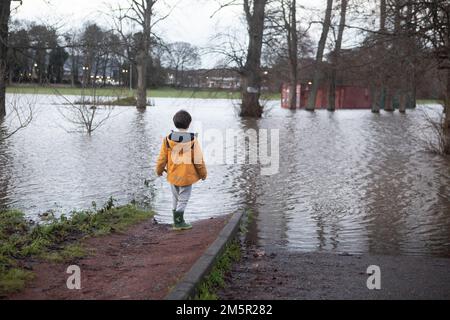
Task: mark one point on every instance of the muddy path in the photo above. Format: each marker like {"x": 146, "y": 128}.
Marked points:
{"x": 143, "y": 263}
{"x": 284, "y": 274}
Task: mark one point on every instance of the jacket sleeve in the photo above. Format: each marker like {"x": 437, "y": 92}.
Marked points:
{"x": 199, "y": 162}
{"x": 162, "y": 159}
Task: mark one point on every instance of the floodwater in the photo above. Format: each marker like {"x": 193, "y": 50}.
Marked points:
{"x": 348, "y": 182}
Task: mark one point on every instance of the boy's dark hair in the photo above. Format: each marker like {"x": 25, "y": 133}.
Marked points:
{"x": 182, "y": 120}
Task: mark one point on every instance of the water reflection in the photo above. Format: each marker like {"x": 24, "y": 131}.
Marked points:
{"x": 139, "y": 160}
{"x": 349, "y": 181}
{"x": 5, "y": 171}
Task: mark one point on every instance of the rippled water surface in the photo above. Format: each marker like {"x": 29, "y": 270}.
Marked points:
{"x": 348, "y": 182}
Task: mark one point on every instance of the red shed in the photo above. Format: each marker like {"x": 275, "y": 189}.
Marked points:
{"x": 347, "y": 97}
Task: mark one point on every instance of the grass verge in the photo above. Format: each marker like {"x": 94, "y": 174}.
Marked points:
{"x": 430, "y": 101}
{"x": 232, "y": 254}
{"x": 120, "y": 101}
{"x": 56, "y": 240}
{"x": 216, "y": 278}
{"x": 166, "y": 92}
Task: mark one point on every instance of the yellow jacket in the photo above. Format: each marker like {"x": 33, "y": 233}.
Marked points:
{"x": 182, "y": 156}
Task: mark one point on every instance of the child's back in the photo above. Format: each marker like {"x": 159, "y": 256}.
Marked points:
{"x": 182, "y": 158}
{"x": 182, "y": 155}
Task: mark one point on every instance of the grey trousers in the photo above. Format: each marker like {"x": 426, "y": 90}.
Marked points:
{"x": 180, "y": 197}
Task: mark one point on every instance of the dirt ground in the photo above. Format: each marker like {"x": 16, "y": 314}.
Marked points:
{"x": 143, "y": 263}
{"x": 288, "y": 275}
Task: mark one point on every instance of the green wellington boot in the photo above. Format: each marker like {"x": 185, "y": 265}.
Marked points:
{"x": 179, "y": 223}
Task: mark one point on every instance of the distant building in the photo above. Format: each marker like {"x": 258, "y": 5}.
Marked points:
{"x": 347, "y": 97}
{"x": 226, "y": 79}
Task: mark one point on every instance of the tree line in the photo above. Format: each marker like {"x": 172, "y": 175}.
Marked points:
{"x": 93, "y": 54}
{"x": 394, "y": 43}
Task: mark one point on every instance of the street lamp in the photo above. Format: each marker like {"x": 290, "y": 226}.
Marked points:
{"x": 34, "y": 71}
{"x": 85, "y": 75}
{"x": 131, "y": 76}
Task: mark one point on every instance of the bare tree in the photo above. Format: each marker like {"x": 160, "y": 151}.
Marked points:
{"x": 43, "y": 39}
{"x": 289, "y": 23}
{"x": 382, "y": 15}
{"x": 436, "y": 141}
{"x": 251, "y": 72}
{"x": 432, "y": 23}
{"x": 428, "y": 21}
{"x": 96, "y": 47}
{"x": 5, "y": 11}
{"x": 143, "y": 14}
{"x": 86, "y": 114}
{"x": 395, "y": 38}
{"x": 20, "y": 109}
{"x": 335, "y": 56}
{"x": 377, "y": 89}
{"x": 73, "y": 41}
{"x": 179, "y": 56}
{"x": 248, "y": 59}
{"x": 319, "y": 58}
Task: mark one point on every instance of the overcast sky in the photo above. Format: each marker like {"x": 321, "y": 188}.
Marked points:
{"x": 189, "y": 21}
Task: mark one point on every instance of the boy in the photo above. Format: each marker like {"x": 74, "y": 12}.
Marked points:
{"x": 182, "y": 155}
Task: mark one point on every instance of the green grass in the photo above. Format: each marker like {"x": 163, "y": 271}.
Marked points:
{"x": 246, "y": 221}
{"x": 430, "y": 101}
{"x": 122, "y": 92}
{"x": 215, "y": 279}
{"x": 68, "y": 253}
{"x": 128, "y": 101}
{"x": 14, "y": 280}
{"x": 57, "y": 240}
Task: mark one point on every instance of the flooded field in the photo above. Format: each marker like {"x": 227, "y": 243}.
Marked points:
{"x": 348, "y": 182}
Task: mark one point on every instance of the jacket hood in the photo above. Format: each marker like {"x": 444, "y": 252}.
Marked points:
{"x": 182, "y": 137}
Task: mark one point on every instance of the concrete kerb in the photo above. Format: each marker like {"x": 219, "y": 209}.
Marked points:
{"x": 187, "y": 287}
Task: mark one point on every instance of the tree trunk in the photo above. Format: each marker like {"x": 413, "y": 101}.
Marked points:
{"x": 293, "y": 93}
{"x": 383, "y": 15}
{"x": 72, "y": 71}
{"x": 292, "y": 37}
{"x": 141, "y": 89}
{"x": 376, "y": 94}
{"x": 177, "y": 81}
{"x": 396, "y": 82}
{"x": 97, "y": 70}
{"x": 413, "y": 94}
{"x": 251, "y": 73}
{"x": 447, "y": 100}
{"x": 411, "y": 71}
{"x": 388, "y": 100}
{"x": 402, "y": 100}
{"x": 75, "y": 78}
{"x": 447, "y": 116}
{"x": 5, "y": 10}
{"x": 144, "y": 52}
{"x": 250, "y": 99}
{"x": 336, "y": 57}
{"x": 319, "y": 57}
{"x": 105, "y": 67}
{"x": 332, "y": 88}
{"x": 10, "y": 77}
